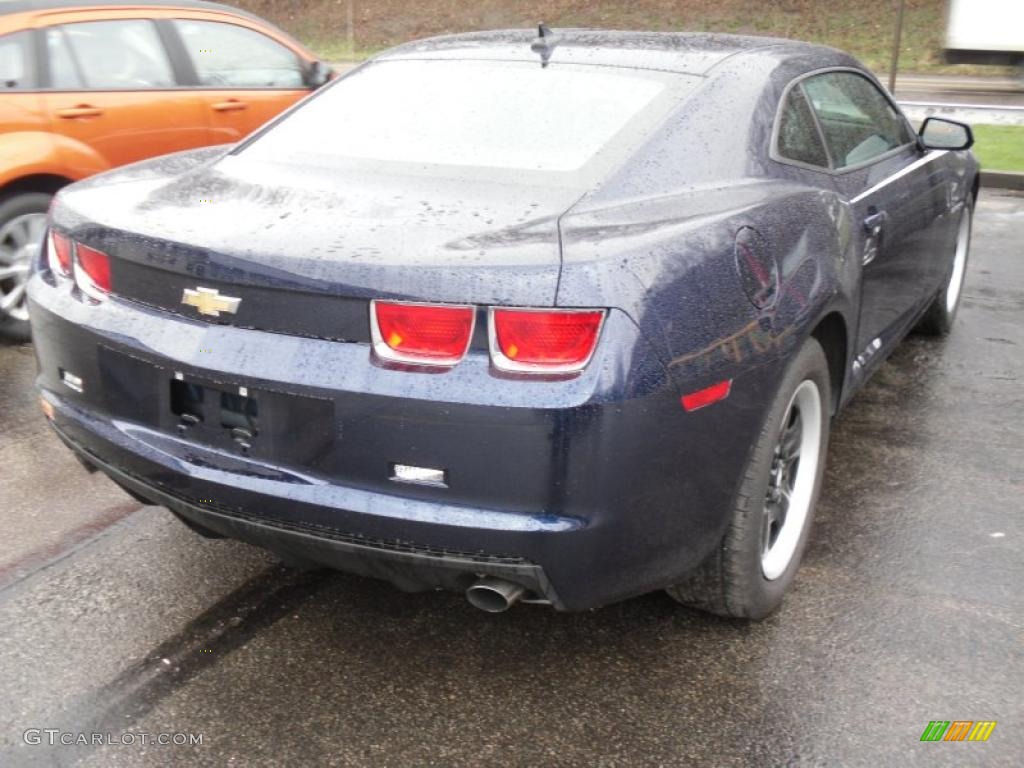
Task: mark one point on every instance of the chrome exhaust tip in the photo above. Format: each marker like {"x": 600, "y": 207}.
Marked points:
{"x": 494, "y": 595}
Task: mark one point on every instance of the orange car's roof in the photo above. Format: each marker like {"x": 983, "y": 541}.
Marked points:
{"x": 29, "y": 6}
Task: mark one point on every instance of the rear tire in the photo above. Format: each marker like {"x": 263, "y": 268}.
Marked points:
{"x": 938, "y": 318}
{"x": 22, "y": 223}
{"x": 748, "y": 573}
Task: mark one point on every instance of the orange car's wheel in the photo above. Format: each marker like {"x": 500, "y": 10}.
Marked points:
{"x": 22, "y": 227}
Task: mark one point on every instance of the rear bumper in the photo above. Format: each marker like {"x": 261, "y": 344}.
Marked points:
{"x": 586, "y": 490}
{"x": 405, "y": 565}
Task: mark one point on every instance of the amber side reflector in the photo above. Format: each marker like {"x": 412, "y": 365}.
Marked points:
{"x": 46, "y": 407}
{"x": 707, "y": 396}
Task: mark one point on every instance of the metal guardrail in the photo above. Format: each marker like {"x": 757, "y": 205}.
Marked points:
{"x": 937, "y": 105}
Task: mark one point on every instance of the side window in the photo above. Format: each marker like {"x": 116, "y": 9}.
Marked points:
{"x": 230, "y": 56}
{"x": 798, "y": 137}
{"x": 858, "y": 121}
{"x": 16, "y": 65}
{"x": 108, "y": 55}
{"x": 64, "y": 74}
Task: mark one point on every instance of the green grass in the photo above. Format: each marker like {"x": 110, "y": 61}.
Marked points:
{"x": 339, "y": 50}
{"x": 1000, "y": 147}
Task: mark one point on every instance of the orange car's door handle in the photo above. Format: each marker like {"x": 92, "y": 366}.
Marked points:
{"x": 231, "y": 105}
{"x": 82, "y": 110}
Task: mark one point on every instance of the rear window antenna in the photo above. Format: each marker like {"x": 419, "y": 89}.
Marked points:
{"x": 544, "y": 44}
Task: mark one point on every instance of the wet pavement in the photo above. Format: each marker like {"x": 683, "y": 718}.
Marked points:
{"x": 119, "y": 620}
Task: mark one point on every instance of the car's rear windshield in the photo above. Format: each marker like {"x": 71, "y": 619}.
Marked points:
{"x": 473, "y": 114}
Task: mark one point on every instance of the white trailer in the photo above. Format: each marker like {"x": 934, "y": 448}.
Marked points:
{"x": 985, "y": 32}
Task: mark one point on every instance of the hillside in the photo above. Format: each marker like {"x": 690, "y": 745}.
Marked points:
{"x": 864, "y": 27}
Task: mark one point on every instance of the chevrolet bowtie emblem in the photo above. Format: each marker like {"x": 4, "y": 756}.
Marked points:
{"x": 208, "y": 301}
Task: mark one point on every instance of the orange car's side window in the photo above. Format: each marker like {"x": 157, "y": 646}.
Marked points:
{"x": 231, "y": 56}
{"x": 64, "y": 74}
{"x": 108, "y": 55}
{"x": 16, "y": 66}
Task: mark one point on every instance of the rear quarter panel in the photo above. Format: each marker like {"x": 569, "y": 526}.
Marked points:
{"x": 670, "y": 263}
{"x": 658, "y": 239}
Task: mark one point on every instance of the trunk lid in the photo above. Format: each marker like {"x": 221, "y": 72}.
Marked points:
{"x": 305, "y": 249}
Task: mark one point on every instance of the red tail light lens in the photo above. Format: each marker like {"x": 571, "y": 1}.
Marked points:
{"x": 544, "y": 341}
{"x": 92, "y": 272}
{"x": 59, "y": 254}
{"x": 422, "y": 334}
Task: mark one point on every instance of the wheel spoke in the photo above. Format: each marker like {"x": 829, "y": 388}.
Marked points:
{"x": 774, "y": 518}
{"x": 18, "y": 233}
{"x": 789, "y": 475}
{"x": 36, "y": 228}
{"x": 28, "y": 229}
{"x": 789, "y": 445}
{"x": 785, "y": 495}
{"x": 768, "y": 527}
{"x": 12, "y": 299}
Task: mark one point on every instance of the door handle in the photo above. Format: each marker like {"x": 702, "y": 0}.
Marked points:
{"x": 82, "y": 110}
{"x": 231, "y": 105}
{"x": 873, "y": 226}
{"x": 873, "y": 223}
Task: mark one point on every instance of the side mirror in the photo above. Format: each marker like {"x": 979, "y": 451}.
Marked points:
{"x": 939, "y": 133}
{"x": 318, "y": 74}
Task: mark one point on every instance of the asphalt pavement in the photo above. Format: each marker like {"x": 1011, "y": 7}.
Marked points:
{"x": 119, "y": 621}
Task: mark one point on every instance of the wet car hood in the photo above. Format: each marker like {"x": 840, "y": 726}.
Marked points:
{"x": 409, "y": 235}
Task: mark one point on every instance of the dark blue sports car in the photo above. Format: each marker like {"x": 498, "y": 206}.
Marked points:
{"x": 558, "y": 317}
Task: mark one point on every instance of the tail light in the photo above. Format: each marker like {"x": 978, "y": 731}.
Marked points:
{"x": 92, "y": 271}
{"x": 421, "y": 334}
{"x": 543, "y": 341}
{"x": 89, "y": 267}
{"x": 59, "y": 254}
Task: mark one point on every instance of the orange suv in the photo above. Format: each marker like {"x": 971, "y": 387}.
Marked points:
{"x": 85, "y": 88}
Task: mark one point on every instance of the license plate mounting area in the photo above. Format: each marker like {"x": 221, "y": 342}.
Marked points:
{"x": 210, "y": 409}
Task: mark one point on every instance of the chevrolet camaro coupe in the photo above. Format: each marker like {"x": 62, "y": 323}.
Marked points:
{"x": 557, "y": 316}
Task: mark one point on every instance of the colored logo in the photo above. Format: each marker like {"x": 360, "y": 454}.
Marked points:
{"x": 958, "y": 730}
{"x": 209, "y": 301}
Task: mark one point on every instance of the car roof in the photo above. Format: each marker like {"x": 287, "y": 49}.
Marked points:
{"x": 16, "y": 11}
{"x": 684, "y": 52}
{"x": 28, "y": 6}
